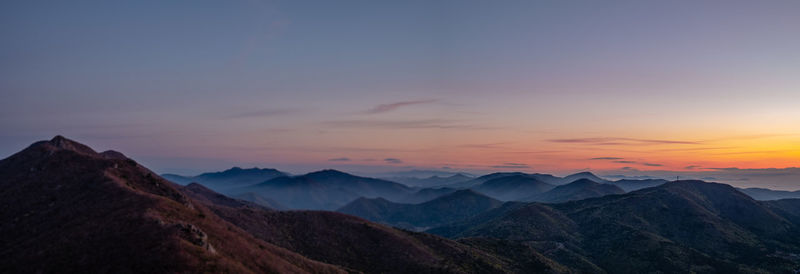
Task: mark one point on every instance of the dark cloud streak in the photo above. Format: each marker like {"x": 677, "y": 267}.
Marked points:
{"x": 393, "y": 106}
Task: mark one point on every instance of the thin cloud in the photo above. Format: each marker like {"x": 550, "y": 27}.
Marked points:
{"x": 393, "y": 106}
{"x": 342, "y": 159}
{"x": 512, "y": 165}
{"x": 606, "y": 158}
{"x": 484, "y": 146}
{"x": 651, "y": 164}
{"x": 260, "y": 113}
{"x": 403, "y": 124}
{"x": 691, "y": 167}
{"x": 625, "y": 162}
{"x": 621, "y": 141}
{"x": 393, "y": 161}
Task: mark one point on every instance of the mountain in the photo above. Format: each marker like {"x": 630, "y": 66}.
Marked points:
{"x": 513, "y": 188}
{"x": 362, "y": 246}
{"x": 763, "y": 194}
{"x": 577, "y": 190}
{"x": 545, "y": 178}
{"x": 453, "y": 207}
{"x": 262, "y": 201}
{"x": 433, "y": 181}
{"x": 685, "y": 226}
{"x": 224, "y": 181}
{"x": 788, "y": 208}
{"x": 426, "y": 194}
{"x": 326, "y": 190}
{"x": 629, "y": 185}
{"x": 67, "y": 208}
{"x": 417, "y": 173}
{"x": 582, "y": 175}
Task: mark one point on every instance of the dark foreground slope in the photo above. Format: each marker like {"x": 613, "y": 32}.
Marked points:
{"x": 686, "y": 226}
{"x": 66, "y": 208}
{"x": 368, "y": 247}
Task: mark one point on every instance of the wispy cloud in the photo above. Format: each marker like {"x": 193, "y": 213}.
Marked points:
{"x": 636, "y": 162}
{"x": 403, "y": 124}
{"x": 621, "y": 141}
{"x": 393, "y": 161}
{"x": 393, "y": 106}
{"x": 625, "y": 162}
{"x": 691, "y": 167}
{"x": 342, "y": 159}
{"x": 606, "y": 158}
{"x": 495, "y": 146}
{"x": 511, "y": 165}
{"x": 260, "y": 113}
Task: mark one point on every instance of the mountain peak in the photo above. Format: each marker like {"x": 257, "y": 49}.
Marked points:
{"x": 61, "y": 143}
{"x": 328, "y": 172}
{"x": 583, "y": 181}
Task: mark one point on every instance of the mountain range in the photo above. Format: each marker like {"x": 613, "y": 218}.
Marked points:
{"x": 326, "y": 189}
{"x": 68, "y": 208}
{"x": 676, "y": 227}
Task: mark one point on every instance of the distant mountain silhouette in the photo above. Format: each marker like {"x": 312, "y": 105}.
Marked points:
{"x": 513, "y": 188}
{"x": 633, "y": 184}
{"x": 545, "y": 178}
{"x": 66, "y": 208}
{"x": 433, "y": 181}
{"x": 577, "y": 190}
{"x": 582, "y": 175}
{"x": 326, "y": 189}
{"x": 763, "y": 194}
{"x": 676, "y": 227}
{"x": 788, "y": 208}
{"x": 456, "y": 206}
{"x": 426, "y": 194}
{"x": 225, "y": 181}
{"x": 262, "y": 201}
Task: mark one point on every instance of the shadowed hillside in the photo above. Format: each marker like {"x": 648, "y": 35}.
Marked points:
{"x": 677, "y": 227}
{"x": 361, "y": 245}
{"x": 67, "y": 208}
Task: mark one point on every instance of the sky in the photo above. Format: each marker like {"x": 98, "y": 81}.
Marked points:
{"x": 621, "y": 88}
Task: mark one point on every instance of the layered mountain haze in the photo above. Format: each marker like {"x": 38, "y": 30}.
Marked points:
{"x": 514, "y": 187}
{"x": 631, "y": 184}
{"x": 577, "y": 190}
{"x": 69, "y": 208}
{"x": 763, "y": 194}
{"x": 449, "y": 208}
{"x": 326, "y": 189}
{"x": 433, "y": 181}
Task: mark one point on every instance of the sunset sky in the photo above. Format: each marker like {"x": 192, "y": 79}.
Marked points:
{"x": 615, "y": 87}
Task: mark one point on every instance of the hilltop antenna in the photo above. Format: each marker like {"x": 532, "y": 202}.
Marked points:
{"x": 678, "y": 179}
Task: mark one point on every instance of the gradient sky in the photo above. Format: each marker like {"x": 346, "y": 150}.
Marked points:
{"x": 617, "y": 87}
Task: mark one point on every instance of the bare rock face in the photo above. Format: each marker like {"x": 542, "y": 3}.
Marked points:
{"x": 194, "y": 235}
